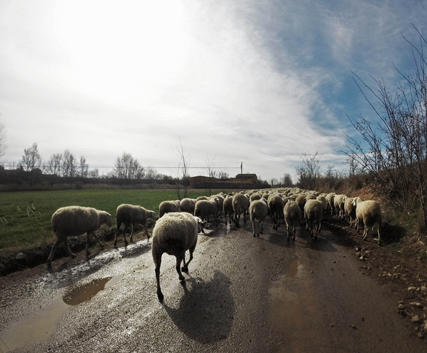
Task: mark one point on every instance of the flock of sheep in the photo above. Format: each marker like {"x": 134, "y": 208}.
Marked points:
{"x": 180, "y": 221}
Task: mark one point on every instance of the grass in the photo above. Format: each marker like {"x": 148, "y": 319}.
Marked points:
{"x": 25, "y": 216}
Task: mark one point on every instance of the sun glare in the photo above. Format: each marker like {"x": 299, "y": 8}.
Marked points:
{"x": 119, "y": 48}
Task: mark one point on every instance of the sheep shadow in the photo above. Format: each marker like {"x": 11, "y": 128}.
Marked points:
{"x": 206, "y": 310}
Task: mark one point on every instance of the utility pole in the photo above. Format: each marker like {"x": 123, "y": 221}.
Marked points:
{"x": 241, "y": 175}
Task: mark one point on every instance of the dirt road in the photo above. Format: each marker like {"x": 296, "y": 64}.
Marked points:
{"x": 242, "y": 294}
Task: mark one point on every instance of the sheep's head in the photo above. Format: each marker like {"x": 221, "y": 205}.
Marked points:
{"x": 200, "y": 224}
{"x": 107, "y": 219}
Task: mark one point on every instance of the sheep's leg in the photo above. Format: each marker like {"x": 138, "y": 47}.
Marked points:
{"x": 119, "y": 224}
{"x": 146, "y": 233}
{"x": 52, "y": 252}
{"x": 185, "y": 268}
{"x": 253, "y": 229}
{"x": 262, "y": 226}
{"x": 130, "y": 236}
{"x": 379, "y": 236}
{"x": 179, "y": 259}
{"x": 158, "y": 260}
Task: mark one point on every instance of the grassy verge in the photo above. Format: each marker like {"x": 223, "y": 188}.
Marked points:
{"x": 25, "y": 216}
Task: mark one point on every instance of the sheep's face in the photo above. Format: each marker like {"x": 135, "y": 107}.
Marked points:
{"x": 108, "y": 222}
{"x": 200, "y": 224}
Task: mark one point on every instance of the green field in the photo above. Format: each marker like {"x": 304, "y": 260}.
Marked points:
{"x": 25, "y": 216}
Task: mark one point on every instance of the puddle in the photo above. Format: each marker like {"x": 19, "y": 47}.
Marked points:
{"x": 294, "y": 268}
{"x": 39, "y": 326}
{"x": 80, "y": 294}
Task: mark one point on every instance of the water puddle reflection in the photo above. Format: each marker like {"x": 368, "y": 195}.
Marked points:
{"x": 39, "y": 326}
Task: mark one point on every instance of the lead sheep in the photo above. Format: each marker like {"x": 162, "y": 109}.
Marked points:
{"x": 258, "y": 211}
{"x": 313, "y": 215}
{"x": 73, "y": 221}
{"x": 174, "y": 234}
{"x": 291, "y": 214}
{"x": 130, "y": 216}
{"x": 368, "y": 213}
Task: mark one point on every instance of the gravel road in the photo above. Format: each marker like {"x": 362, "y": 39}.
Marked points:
{"x": 242, "y": 294}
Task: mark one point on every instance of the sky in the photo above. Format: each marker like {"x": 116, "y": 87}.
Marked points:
{"x": 257, "y": 82}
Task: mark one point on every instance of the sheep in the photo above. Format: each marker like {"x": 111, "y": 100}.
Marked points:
{"x": 313, "y": 214}
{"x": 350, "y": 209}
{"x": 130, "y": 216}
{"x": 168, "y": 206}
{"x": 368, "y": 213}
{"x": 323, "y": 200}
{"x": 301, "y": 200}
{"x": 174, "y": 234}
{"x": 204, "y": 209}
{"x": 73, "y": 221}
{"x": 275, "y": 205}
{"x": 240, "y": 206}
{"x": 219, "y": 199}
{"x": 228, "y": 208}
{"x": 291, "y": 214}
{"x": 187, "y": 205}
{"x": 255, "y": 196}
{"x": 330, "y": 198}
{"x": 258, "y": 210}
{"x": 339, "y": 201}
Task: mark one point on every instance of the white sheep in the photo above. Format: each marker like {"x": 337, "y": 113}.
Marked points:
{"x": 130, "y": 216}
{"x": 368, "y": 213}
{"x": 313, "y": 215}
{"x": 275, "y": 205}
{"x": 330, "y": 198}
{"x": 291, "y": 214}
{"x": 187, "y": 205}
{"x": 240, "y": 206}
{"x": 168, "y": 206}
{"x": 339, "y": 201}
{"x": 219, "y": 199}
{"x": 206, "y": 208}
{"x": 174, "y": 234}
{"x": 228, "y": 208}
{"x": 301, "y": 200}
{"x": 350, "y": 209}
{"x": 73, "y": 221}
{"x": 258, "y": 210}
{"x": 255, "y": 196}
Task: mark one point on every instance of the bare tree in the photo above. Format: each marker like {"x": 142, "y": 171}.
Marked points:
{"x": 308, "y": 171}
{"x": 127, "y": 167}
{"x": 182, "y": 171}
{"x": 394, "y": 152}
{"x": 151, "y": 173}
{"x": 94, "y": 173}
{"x": 210, "y": 169}
{"x": 31, "y": 158}
{"x": 69, "y": 164}
{"x": 287, "y": 180}
{"x": 3, "y": 136}
{"x": 53, "y": 165}
{"x": 83, "y": 167}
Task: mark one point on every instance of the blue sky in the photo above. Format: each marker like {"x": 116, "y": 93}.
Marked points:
{"x": 258, "y": 82}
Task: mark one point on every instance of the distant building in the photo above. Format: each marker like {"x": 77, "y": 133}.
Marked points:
{"x": 204, "y": 182}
